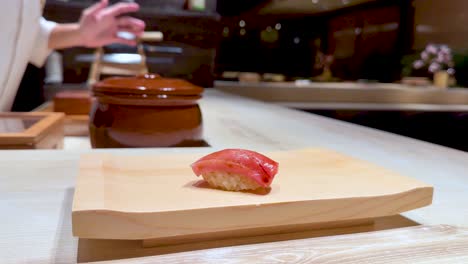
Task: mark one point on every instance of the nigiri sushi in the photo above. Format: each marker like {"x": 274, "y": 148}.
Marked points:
{"x": 236, "y": 169}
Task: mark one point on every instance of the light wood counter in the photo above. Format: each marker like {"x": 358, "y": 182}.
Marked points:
{"x": 36, "y": 187}
{"x": 352, "y": 96}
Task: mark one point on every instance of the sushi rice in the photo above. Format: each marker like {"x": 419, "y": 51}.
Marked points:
{"x": 230, "y": 182}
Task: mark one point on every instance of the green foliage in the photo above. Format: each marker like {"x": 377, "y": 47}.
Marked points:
{"x": 407, "y": 64}
{"x": 460, "y": 59}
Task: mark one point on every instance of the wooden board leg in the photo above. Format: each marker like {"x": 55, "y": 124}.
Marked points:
{"x": 318, "y": 229}
{"x": 92, "y": 250}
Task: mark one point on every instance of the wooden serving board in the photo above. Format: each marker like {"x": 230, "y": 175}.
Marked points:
{"x": 159, "y": 198}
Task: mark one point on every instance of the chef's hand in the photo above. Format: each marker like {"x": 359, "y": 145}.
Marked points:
{"x": 99, "y": 24}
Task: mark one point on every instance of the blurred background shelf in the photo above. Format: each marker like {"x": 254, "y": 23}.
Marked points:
{"x": 425, "y": 113}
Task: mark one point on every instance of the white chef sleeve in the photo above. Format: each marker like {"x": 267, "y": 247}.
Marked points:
{"x": 41, "y": 48}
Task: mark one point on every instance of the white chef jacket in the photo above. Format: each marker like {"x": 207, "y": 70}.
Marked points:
{"x": 24, "y": 37}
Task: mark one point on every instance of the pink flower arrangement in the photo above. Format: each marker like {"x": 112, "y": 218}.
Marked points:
{"x": 436, "y": 58}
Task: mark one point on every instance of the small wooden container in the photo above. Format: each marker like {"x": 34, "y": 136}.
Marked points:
{"x": 74, "y": 102}
{"x": 75, "y": 125}
{"x": 146, "y": 111}
{"x": 31, "y": 130}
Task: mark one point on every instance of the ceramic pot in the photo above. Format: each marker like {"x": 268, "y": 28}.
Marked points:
{"x": 145, "y": 111}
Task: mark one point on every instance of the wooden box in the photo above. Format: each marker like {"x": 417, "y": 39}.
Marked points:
{"x": 31, "y": 130}
{"x": 76, "y": 106}
{"x": 73, "y": 102}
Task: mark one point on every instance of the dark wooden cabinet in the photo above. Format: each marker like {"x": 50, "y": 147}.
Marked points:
{"x": 365, "y": 43}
